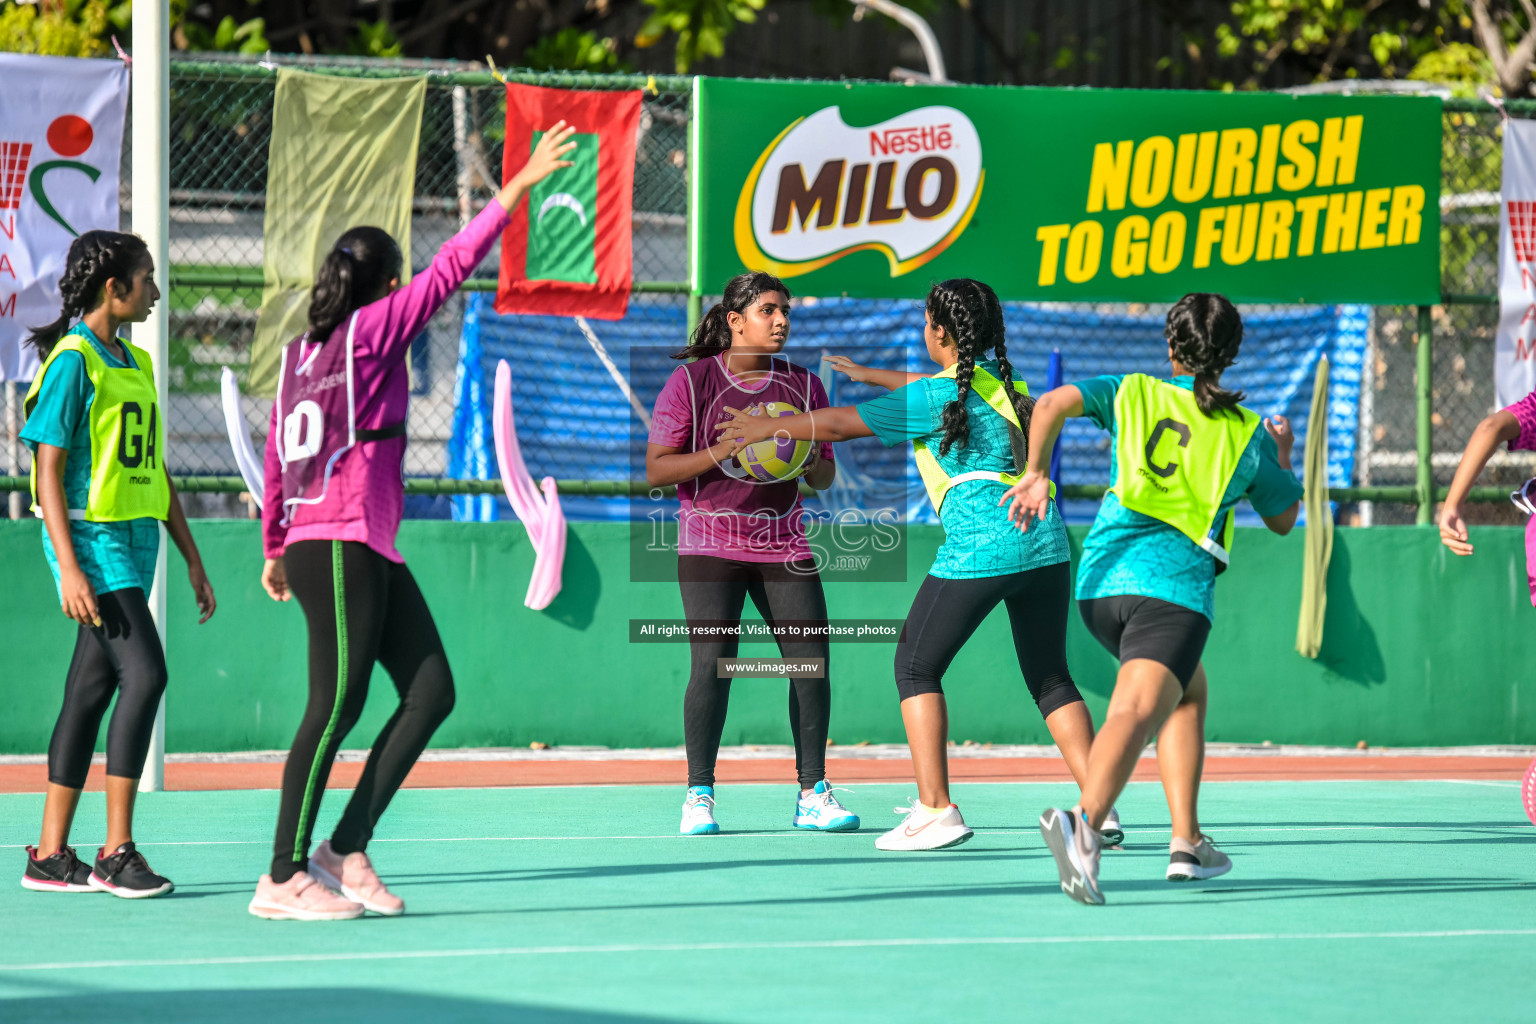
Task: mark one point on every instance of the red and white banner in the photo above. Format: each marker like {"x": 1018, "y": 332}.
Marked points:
{"x": 1515, "y": 348}
{"x": 61, "y": 142}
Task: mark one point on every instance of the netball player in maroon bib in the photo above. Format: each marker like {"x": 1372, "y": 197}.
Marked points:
{"x": 740, "y": 537}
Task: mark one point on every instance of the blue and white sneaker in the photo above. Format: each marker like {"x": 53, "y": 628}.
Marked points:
{"x": 699, "y": 812}
{"x": 822, "y": 812}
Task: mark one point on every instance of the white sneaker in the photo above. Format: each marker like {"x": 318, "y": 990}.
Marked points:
{"x": 1190, "y": 862}
{"x": 1075, "y": 845}
{"x": 699, "y": 812}
{"x": 923, "y": 829}
{"x": 822, "y": 812}
{"x": 1111, "y": 835}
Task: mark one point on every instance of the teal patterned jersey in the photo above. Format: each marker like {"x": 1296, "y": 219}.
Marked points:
{"x": 1128, "y": 553}
{"x": 979, "y": 540}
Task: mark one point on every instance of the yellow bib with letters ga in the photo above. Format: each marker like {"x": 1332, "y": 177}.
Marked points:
{"x": 128, "y": 479}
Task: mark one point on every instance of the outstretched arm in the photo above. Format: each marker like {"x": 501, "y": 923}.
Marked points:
{"x": 394, "y": 322}
{"x": 888, "y": 379}
{"x": 1499, "y": 428}
{"x": 834, "y": 423}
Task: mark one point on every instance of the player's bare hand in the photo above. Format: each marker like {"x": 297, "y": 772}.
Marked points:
{"x": 842, "y": 364}
{"x": 1453, "y": 530}
{"x": 547, "y": 156}
{"x": 202, "y": 592}
{"x": 1031, "y": 498}
{"x": 274, "y": 580}
{"x": 746, "y": 425}
{"x": 79, "y": 597}
{"x": 1280, "y": 429}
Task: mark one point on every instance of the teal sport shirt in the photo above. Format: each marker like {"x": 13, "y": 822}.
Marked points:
{"x": 1128, "y": 553}
{"x": 979, "y": 540}
{"x": 114, "y": 556}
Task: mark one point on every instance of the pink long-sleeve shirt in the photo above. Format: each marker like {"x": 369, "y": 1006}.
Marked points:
{"x": 370, "y": 474}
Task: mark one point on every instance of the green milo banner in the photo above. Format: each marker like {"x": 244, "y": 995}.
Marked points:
{"x": 1067, "y": 195}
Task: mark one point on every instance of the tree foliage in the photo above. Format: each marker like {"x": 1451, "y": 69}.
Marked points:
{"x": 75, "y": 28}
{"x": 571, "y": 49}
{"x": 700, "y": 26}
{"x": 1467, "y": 43}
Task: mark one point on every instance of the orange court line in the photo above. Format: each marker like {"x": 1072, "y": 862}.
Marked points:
{"x": 192, "y": 776}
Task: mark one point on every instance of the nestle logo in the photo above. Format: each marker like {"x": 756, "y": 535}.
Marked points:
{"x": 915, "y": 139}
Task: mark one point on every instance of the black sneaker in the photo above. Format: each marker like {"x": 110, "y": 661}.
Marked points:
{"x": 125, "y": 873}
{"x": 63, "y": 872}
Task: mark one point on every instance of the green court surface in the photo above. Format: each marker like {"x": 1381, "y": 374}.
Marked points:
{"x": 1357, "y": 901}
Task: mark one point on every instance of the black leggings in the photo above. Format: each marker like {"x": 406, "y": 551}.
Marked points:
{"x": 946, "y": 612}
{"x": 714, "y": 590}
{"x": 122, "y": 656}
{"x": 360, "y": 607}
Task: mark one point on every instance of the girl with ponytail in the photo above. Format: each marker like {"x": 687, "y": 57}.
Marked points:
{"x": 1185, "y": 453}
{"x": 99, "y": 484}
{"x": 334, "y": 499}
{"x": 738, "y": 536}
{"x": 967, "y": 425}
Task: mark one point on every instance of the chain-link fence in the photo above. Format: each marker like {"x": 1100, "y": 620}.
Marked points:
{"x": 221, "y": 122}
{"x": 1462, "y": 380}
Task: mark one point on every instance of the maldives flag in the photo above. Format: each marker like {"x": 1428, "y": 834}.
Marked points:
{"x": 567, "y": 251}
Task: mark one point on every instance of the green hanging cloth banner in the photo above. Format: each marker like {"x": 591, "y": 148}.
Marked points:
{"x": 1319, "y": 538}
{"x": 343, "y": 155}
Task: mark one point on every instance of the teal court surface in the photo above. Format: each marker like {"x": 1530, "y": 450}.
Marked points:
{"x": 1349, "y": 901}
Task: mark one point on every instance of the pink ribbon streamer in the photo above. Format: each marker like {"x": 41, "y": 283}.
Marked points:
{"x": 540, "y": 513}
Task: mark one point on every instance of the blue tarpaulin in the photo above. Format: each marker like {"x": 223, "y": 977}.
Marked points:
{"x": 573, "y": 422}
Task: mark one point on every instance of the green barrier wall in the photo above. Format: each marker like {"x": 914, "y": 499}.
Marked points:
{"x": 1421, "y": 648}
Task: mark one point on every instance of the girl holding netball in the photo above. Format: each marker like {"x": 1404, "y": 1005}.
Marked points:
{"x": 97, "y": 436}
{"x": 334, "y": 501}
{"x": 967, "y": 425}
{"x": 740, "y": 537}
{"x": 1185, "y": 453}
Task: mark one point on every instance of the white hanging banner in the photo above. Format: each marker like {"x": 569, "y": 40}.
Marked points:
{"x": 1515, "y": 350}
{"x": 61, "y": 143}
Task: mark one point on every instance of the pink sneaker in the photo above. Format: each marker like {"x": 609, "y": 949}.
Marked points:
{"x": 353, "y": 876}
{"x": 301, "y": 898}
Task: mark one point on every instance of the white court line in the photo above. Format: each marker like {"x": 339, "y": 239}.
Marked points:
{"x": 1484, "y": 782}
{"x": 710, "y": 947}
{"x": 1135, "y": 831}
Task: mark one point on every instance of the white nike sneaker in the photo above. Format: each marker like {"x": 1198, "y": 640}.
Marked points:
{"x": 1075, "y": 845}
{"x": 1111, "y": 835}
{"x": 822, "y": 812}
{"x": 1190, "y": 862}
{"x": 922, "y": 829}
{"x": 699, "y": 812}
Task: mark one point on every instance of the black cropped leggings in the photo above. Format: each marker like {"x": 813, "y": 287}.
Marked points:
{"x": 360, "y": 608}
{"x": 946, "y": 612}
{"x": 714, "y": 590}
{"x": 122, "y": 656}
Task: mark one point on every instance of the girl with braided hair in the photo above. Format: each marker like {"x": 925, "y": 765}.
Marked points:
{"x": 99, "y": 484}
{"x": 1185, "y": 453}
{"x": 967, "y": 425}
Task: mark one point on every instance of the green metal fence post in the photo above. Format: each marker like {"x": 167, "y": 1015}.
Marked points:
{"x": 695, "y": 311}
{"x": 1424, "y": 386}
